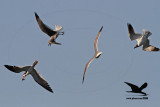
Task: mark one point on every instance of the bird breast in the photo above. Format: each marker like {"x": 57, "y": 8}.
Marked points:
{"x": 30, "y": 69}
{"x": 142, "y": 40}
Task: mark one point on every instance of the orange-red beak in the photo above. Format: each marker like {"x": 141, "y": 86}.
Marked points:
{"x": 23, "y": 77}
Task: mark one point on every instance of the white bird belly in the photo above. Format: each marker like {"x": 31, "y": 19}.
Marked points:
{"x": 142, "y": 41}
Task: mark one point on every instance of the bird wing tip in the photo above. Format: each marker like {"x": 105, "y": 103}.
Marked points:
{"x": 128, "y": 23}
{"x": 101, "y": 29}
{"x": 36, "y": 15}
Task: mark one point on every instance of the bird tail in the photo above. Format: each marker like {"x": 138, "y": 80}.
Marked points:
{"x": 58, "y": 28}
{"x": 35, "y": 63}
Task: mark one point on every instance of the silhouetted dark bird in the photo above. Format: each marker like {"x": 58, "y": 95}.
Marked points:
{"x": 136, "y": 89}
{"x": 53, "y": 34}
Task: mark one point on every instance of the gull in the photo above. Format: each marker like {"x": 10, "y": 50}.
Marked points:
{"x": 30, "y": 70}
{"x": 96, "y": 55}
{"x": 142, "y": 39}
{"x": 136, "y": 89}
{"x": 53, "y": 34}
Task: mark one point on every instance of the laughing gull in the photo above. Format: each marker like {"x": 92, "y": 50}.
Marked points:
{"x": 136, "y": 89}
{"x": 96, "y": 55}
{"x": 30, "y": 70}
{"x": 53, "y": 34}
{"x": 142, "y": 39}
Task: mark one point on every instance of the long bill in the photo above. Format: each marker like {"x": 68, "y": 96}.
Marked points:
{"x": 23, "y": 77}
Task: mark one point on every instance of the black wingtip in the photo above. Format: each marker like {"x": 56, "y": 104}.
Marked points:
{"x": 36, "y": 15}
{"x": 129, "y": 26}
{"x": 49, "y": 88}
{"x": 83, "y": 78}
{"x": 51, "y": 91}
{"x": 128, "y": 23}
{"x": 9, "y": 67}
{"x": 156, "y": 49}
{"x": 5, "y": 65}
{"x": 126, "y": 82}
{"x": 146, "y": 83}
{"x": 101, "y": 29}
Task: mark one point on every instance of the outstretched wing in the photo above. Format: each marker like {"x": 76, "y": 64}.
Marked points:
{"x": 44, "y": 27}
{"x": 132, "y": 34}
{"x": 17, "y": 69}
{"x": 143, "y": 86}
{"x": 96, "y": 40}
{"x": 148, "y": 47}
{"x": 40, "y": 80}
{"x": 87, "y": 65}
{"x": 133, "y": 87}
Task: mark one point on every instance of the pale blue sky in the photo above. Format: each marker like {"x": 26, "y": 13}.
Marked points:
{"x": 22, "y": 42}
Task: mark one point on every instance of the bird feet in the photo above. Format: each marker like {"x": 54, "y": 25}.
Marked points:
{"x": 61, "y": 33}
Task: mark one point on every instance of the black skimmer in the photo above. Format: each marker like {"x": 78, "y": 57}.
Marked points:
{"x": 136, "y": 89}
{"x": 53, "y": 34}
{"x": 30, "y": 70}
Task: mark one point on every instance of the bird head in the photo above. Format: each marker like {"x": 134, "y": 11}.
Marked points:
{"x": 98, "y": 55}
{"x": 146, "y": 33}
{"x": 24, "y": 75}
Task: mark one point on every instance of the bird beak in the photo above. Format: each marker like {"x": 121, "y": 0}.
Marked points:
{"x": 23, "y": 77}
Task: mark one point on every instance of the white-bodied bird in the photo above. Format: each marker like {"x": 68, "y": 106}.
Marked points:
{"x": 142, "y": 39}
{"x": 96, "y": 55}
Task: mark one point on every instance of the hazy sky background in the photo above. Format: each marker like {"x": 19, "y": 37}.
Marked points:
{"x": 22, "y": 42}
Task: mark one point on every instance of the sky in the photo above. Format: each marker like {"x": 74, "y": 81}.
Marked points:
{"x": 22, "y": 42}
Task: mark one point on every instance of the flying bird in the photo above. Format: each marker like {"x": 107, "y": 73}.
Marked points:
{"x": 53, "y": 34}
{"x": 96, "y": 55}
{"x": 30, "y": 70}
{"x": 142, "y": 39}
{"x": 136, "y": 89}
